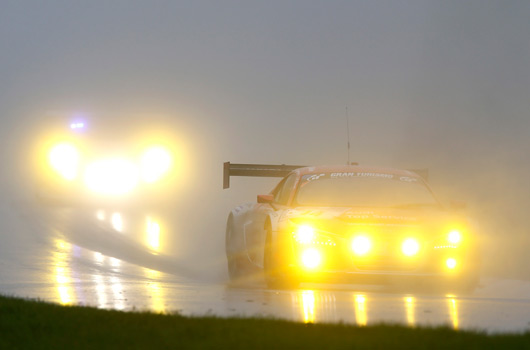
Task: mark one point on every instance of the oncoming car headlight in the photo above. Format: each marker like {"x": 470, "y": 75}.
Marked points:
{"x": 64, "y": 159}
{"x": 155, "y": 162}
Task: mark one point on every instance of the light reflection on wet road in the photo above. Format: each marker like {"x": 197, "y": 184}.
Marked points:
{"x": 127, "y": 265}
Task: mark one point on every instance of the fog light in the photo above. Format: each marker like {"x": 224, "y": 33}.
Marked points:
{"x": 454, "y": 237}
{"x": 450, "y": 263}
{"x": 361, "y": 245}
{"x": 410, "y": 247}
{"x": 311, "y": 258}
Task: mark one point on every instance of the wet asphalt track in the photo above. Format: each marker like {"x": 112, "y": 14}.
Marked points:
{"x": 117, "y": 260}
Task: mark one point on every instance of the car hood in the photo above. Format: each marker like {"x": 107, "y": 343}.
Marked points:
{"x": 338, "y": 219}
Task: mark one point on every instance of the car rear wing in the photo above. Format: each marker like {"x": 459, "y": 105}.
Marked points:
{"x": 267, "y": 170}
{"x": 260, "y": 170}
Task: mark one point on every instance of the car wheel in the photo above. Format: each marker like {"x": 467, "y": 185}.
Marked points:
{"x": 276, "y": 275}
{"x": 233, "y": 259}
{"x": 234, "y": 271}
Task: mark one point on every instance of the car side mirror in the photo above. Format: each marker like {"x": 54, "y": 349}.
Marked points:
{"x": 265, "y": 198}
{"x": 458, "y": 205}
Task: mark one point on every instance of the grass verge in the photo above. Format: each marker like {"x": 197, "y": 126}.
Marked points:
{"x": 27, "y": 324}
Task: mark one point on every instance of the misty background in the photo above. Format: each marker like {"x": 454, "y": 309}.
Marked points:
{"x": 443, "y": 85}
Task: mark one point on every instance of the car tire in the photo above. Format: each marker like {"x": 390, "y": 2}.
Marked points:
{"x": 233, "y": 259}
{"x": 276, "y": 275}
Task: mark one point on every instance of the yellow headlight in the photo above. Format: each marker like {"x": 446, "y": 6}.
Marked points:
{"x": 410, "y": 247}
{"x": 305, "y": 234}
{"x": 361, "y": 245}
{"x": 454, "y": 237}
{"x": 155, "y": 163}
{"x": 64, "y": 159}
{"x": 311, "y": 258}
{"x": 450, "y": 263}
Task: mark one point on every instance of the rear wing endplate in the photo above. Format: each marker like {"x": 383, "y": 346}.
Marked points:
{"x": 260, "y": 170}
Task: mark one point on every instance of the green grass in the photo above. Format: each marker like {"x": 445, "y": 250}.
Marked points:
{"x": 27, "y": 324}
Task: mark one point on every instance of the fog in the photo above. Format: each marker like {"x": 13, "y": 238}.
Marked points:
{"x": 442, "y": 85}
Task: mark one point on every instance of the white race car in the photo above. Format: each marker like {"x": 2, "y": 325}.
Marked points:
{"x": 355, "y": 223}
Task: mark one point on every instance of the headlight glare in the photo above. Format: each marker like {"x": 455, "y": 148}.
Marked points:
{"x": 450, "y": 263}
{"x": 361, "y": 245}
{"x": 410, "y": 247}
{"x": 305, "y": 234}
{"x": 155, "y": 162}
{"x": 311, "y": 258}
{"x": 111, "y": 176}
{"x": 64, "y": 159}
{"x": 454, "y": 237}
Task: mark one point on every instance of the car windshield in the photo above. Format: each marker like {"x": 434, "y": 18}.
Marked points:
{"x": 357, "y": 189}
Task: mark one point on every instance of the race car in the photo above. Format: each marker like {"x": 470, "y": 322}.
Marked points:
{"x": 90, "y": 161}
{"x": 348, "y": 223}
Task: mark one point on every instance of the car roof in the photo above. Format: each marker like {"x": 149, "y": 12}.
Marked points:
{"x": 354, "y": 168}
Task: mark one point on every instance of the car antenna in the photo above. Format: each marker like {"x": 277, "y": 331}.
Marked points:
{"x": 348, "y": 133}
